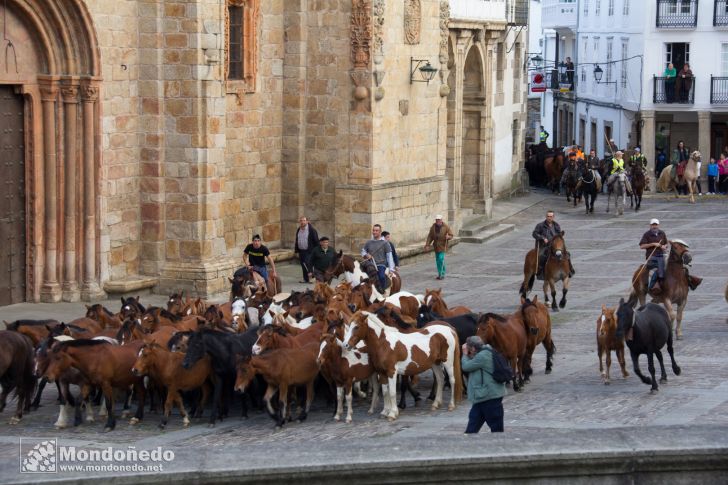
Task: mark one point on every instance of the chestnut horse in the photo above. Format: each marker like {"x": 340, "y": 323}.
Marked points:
{"x": 675, "y": 287}
{"x": 608, "y": 341}
{"x": 103, "y": 316}
{"x": 538, "y": 331}
{"x": 506, "y": 334}
{"x": 435, "y": 302}
{"x": 392, "y": 352}
{"x": 555, "y": 270}
{"x": 637, "y": 174}
{"x": 554, "y": 167}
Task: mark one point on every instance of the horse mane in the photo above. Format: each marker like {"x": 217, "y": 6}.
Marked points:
{"x": 164, "y": 313}
{"x": 395, "y": 316}
{"x": 107, "y": 311}
{"x": 527, "y": 303}
{"x": 82, "y": 343}
{"x": 494, "y": 316}
{"x": 29, "y": 323}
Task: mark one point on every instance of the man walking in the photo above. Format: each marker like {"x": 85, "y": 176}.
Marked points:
{"x": 439, "y": 236}
{"x": 484, "y": 392}
{"x": 306, "y": 240}
{"x": 378, "y": 250}
{"x": 654, "y": 242}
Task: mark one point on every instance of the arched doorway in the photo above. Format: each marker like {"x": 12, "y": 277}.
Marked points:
{"x": 51, "y": 68}
{"x": 473, "y": 180}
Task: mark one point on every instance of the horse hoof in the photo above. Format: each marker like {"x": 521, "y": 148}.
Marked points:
{"x": 108, "y": 429}
{"x": 390, "y": 419}
{"x": 90, "y": 419}
{"x": 451, "y": 407}
{"x": 125, "y": 414}
{"x": 211, "y": 425}
{"x": 663, "y": 379}
{"x": 434, "y": 408}
{"x": 133, "y": 421}
{"x": 14, "y": 420}
{"x": 548, "y": 371}
{"x": 653, "y": 391}
{"x": 676, "y": 370}
{"x": 554, "y": 309}
{"x": 679, "y": 336}
{"x": 337, "y": 418}
{"x": 348, "y": 420}
{"x": 606, "y": 382}
{"x": 161, "y": 426}
{"x": 562, "y": 304}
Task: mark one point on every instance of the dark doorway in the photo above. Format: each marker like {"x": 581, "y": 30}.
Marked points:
{"x": 678, "y": 53}
{"x": 12, "y": 201}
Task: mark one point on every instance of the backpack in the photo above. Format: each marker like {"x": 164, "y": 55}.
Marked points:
{"x": 502, "y": 371}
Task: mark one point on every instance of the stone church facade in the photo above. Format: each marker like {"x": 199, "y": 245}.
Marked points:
{"x": 150, "y": 139}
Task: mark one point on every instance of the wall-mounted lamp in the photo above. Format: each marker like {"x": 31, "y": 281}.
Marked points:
{"x": 598, "y": 73}
{"x": 537, "y": 61}
{"x": 427, "y": 72}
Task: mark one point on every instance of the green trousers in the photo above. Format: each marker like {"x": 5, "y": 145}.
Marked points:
{"x": 440, "y": 262}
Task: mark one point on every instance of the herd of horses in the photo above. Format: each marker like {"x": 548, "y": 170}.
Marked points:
{"x": 546, "y": 166}
{"x": 275, "y": 350}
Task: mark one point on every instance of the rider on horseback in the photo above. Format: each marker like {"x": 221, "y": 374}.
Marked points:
{"x": 378, "y": 251}
{"x": 570, "y": 167}
{"x": 616, "y": 169}
{"x": 654, "y": 242}
{"x": 544, "y": 233}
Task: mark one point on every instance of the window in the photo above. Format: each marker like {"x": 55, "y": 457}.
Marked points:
{"x": 610, "y": 10}
{"x": 597, "y": 7}
{"x": 241, "y": 62}
{"x": 724, "y": 59}
{"x": 623, "y": 65}
{"x": 625, "y": 7}
{"x": 500, "y": 61}
{"x": 586, "y": 8}
{"x": 609, "y": 60}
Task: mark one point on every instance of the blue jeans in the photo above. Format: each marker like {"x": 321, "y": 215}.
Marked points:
{"x": 263, "y": 271}
{"x": 381, "y": 274}
{"x": 490, "y": 411}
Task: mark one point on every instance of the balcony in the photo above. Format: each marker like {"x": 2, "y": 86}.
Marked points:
{"x": 478, "y": 10}
{"x": 673, "y": 91}
{"x": 565, "y": 83}
{"x": 718, "y": 90}
{"x": 720, "y": 13}
{"x": 677, "y": 14}
{"x": 517, "y": 12}
{"x": 559, "y": 15}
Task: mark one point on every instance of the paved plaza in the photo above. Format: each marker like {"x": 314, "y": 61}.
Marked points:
{"x": 569, "y": 413}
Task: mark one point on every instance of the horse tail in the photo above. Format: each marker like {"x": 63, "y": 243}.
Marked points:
{"x": 458, "y": 387}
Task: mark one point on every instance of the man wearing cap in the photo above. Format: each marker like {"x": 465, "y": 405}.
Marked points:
{"x": 438, "y": 236}
{"x": 636, "y": 158}
{"x": 654, "y": 242}
{"x": 570, "y": 166}
{"x": 616, "y": 168}
{"x": 321, "y": 258}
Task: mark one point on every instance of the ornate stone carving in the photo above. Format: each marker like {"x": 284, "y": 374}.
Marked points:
{"x": 89, "y": 92}
{"x": 48, "y": 91}
{"x": 412, "y": 21}
{"x": 444, "y": 31}
{"x": 361, "y": 33}
{"x": 378, "y": 21}
{"x": 361, "y": 90}
{"x": 70, "y": 94}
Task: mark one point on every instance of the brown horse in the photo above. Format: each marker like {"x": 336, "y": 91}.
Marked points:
{"x": 675, "y": 287}
{"x": 165, "y": 368}
{"x": 638, "y": 181}
{"x": 554, "y": 167}
{"x": 103, "y": 316}
{"x": 556, "y": 269}
{"x": 608, "y": 341}
{"x": 506, "y": 334}
{"x": 16, "y": 371}
{"x": 538, "y": 331}
{"x": 281, "y": 369}
{"x": 156, "y": 317}
{"x": 35, "y": 330}
{"x": 246, "y": 277}
{"x": 104, "y": 365}
{"x": 275, "y": 337}
{"x": 433, "y": 299}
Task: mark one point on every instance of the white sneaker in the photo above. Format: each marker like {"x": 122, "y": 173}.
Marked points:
{"x": 700, "y": 193}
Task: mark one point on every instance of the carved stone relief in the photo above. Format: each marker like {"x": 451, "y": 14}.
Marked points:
{"x": 412, "y": 21}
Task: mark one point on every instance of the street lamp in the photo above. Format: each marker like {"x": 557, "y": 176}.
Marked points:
{"x": 537, "y": 61}
{"x": 598, "y": 73}
{"x": 427, "y": 71}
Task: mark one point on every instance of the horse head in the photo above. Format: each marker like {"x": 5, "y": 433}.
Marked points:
{"x": 695, "y": 156}
{"x": 558, "y": 246}
{"x": 486, "y": 326}
{"x": 195, "y": 349}
{"x": 357, "y": 331}
{"x": 680, "y": 252}
{"x": 625, "y": 319}
{"x": 607, "y": 322}
{"x": 336, "y": 268}
{"x": 532, "y": 314}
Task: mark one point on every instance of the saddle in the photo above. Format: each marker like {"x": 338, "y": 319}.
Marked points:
{"x": 681, "y": 169}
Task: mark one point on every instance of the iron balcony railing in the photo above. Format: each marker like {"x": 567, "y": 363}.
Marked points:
{"x": 565, "y": 81}
{"x": 517, "y": 12}
{"x": 677, "y": 14}
{"x": 720, "y": 12}
{"x": 719, "y": 90}
{"x": 673, "y": 90}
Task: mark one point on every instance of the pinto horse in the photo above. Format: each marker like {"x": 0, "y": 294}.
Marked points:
{"x": 538, "y": 331}
{"x": 247, "y": 277}
{"x": 506, "y": 334}
{"x": 646, "y": 331}
{"x": 556, "y": 269}
{"x": 393, "y": 353}
{"x": 16, "y": 371}
{"x": 639, "y": 181}
{"x": 675, "y": 287}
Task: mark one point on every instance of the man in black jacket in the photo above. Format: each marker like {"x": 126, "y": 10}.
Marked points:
{"x": 306, "y": 239}
{"x": 544, "y": 233}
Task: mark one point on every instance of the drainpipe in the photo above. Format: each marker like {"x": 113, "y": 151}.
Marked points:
{"x": 554, "y": 93}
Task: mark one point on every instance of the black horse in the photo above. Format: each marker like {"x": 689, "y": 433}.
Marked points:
{"x": 223, "y": 349}
{"x": 646, "y": 331}
{"x": 570, "y": 184}
{"x": 588, "y": 187}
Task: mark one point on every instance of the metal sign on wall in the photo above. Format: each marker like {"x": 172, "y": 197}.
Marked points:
{"x": 538, "y": 82}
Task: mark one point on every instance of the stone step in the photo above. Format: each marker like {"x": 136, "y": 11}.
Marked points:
{"x": 488, "y": 233}
{"x": 477, "y": 225}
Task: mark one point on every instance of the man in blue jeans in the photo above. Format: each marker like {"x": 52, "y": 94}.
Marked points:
{"x": 378, "y": 250}
{"x": 483, "y": 391}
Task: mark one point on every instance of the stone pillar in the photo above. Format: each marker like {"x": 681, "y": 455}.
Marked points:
{"x": 51, "y": 290}
{"x": 704, "y": 142}
{"x": 89, "y": 95}
{"x": 70, "y": 99}
{"x": 648, "y": 145}
{"x": 461, "y": 47}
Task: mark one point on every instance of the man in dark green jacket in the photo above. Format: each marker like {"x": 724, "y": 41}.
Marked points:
{"x": 320, "y": 259}
{"x": 483, "y": 391}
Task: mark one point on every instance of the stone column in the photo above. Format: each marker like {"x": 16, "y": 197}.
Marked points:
{"x": 70, "y": 99}
{"x": 89, "y": 95}
{"x": 648, "y": 145}
{"x": 51, "y": 290}
{"x": 461, "y": 47}
{"x": 704, "y": 142}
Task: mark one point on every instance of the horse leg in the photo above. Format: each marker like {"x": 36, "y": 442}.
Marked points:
{"x": 140, "y": 391}
{"x": 36, "y": 400}
{"x": 679, "y": 316}
{"x": 349, "y": 399}
{"x": 622, "y": 364}
{"x": 216, "y": 398}
{"x": 636, "y": 365}
{"x": 663, "y": 375}
{"x": 282, "y": 404}
{"x": 168, "y": 408}
{"x": 109, "y": 398}
{"x": 609, "y": 364}
{"x": 88, "y": 402}
{"x": 309, "y": 399}
{"x": 516, "y": 365}
{"x": 667, "y": 303}
{"x": 450, "y": 371}
{"x": 339, "y": 403}
{"x": 600, "y": 352}
{"x": 545, "y": 290}
{"x": 385, "y": 398}
{"x": 651, "y": 368}
{"x": 393, "y": 412}
{"x": 552, "y": 284}
{"x": 675, "y": 368}
{"x": 439, "y": 383}
{"x": 564, "y": 291}
{"x": 374, "y": 384}
{"x": 182, "y": 410}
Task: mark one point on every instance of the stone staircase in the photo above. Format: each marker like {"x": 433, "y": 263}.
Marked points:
{"x": 479, "y": 228}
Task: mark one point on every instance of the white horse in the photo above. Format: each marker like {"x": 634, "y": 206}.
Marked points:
{"x": 619, "y": 189}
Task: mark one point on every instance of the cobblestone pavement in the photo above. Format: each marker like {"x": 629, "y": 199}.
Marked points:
{"x": 486, "y": 278}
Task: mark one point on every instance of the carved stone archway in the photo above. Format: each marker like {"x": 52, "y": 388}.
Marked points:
{"x": 54, "y": 63}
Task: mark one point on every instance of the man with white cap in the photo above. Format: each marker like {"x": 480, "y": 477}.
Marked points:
{"x": 655, "y": 244}
{"x": 438, "y": 236}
